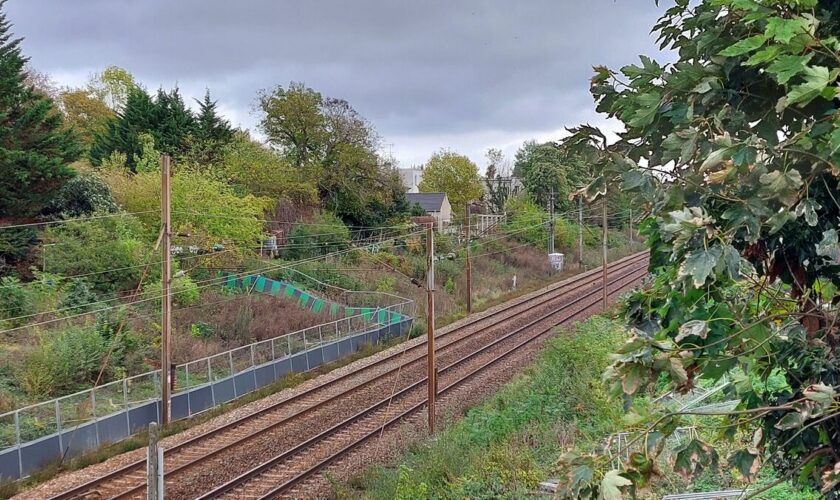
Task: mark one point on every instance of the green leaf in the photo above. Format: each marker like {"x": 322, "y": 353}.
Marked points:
{"x": 817, "y": 79}
{"x": 834, "y": 141}
{"x": 746, "y": 463}
{"x": 764, "y": 55}
{"x": 715, "y": 158}
{"x": 744, "y": 46}
{"x": 611, "y": 485}
{"x": 699, "y": 265}
{"x": 647, "y": 105}
{"x": 792, "y": 420}
{"x": 783, "y": 30}
{"x": 786, "y": 67}
{"x": 782, "y": 185}
{"x": 732, "y": 262}
{"x": 693, "y": 458}
{"x": 821, "y": 394}
{"x": 778, "y": 221}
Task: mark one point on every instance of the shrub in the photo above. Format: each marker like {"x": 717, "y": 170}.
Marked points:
{"x": 78, "y": 296}
{"x": 326, "y": 234}
{"x": 82, "y": 195}
{"x": 524, "y": 221}
{"x": 15, "y": 245}
{"x": 199, "y": 204}
{"x": 113, "y": 244}
{"x": 65, "y": 361}
{"x": 185, "y": 291}
{"x": 15, "y": 299}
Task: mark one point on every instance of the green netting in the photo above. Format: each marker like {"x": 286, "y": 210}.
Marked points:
{"x": 304, "y": 299}
{"x": 334, "y": 309}
{"x": 317, "y": 305}
{"x": 289, "y": 290}
{"x": 260, "y": 286}
{"x": 275, "y": 288}
{"x": 382, "y": 316}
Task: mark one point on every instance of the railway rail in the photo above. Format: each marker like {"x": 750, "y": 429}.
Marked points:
{"x": 482, "y": 342}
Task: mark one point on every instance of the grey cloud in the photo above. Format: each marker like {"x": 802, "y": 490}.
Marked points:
{"x": 423, "y": 67}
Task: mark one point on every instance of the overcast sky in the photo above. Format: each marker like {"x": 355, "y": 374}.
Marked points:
{"x": 464, "y": 75}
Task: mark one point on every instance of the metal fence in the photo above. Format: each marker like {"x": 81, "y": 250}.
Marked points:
{"x": 107, "y": 413}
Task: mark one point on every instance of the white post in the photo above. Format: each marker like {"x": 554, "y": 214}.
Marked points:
{"x": 154, "y": 469}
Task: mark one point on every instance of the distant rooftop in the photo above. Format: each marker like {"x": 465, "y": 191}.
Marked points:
{"x": 430, "y": 202}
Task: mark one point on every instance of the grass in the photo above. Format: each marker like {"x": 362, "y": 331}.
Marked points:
{"x": 504, "y": 447}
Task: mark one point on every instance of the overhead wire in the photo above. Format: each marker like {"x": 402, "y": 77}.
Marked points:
{"x": 76, "y": 219}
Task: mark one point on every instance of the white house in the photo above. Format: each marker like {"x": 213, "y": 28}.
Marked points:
{"x": 411, "y": 178}
{"x": 435, "y": 204}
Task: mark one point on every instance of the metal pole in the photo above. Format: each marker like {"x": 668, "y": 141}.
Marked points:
{"x": 551, "y": 222}
{"x": 469, "y": 264}
{"x": 604, "y": 250}
{"x": 154, "y": 469}
{"x": 166, "y": 280}
{"x": 580, "y": 231}
{"x": 430, "y": 323}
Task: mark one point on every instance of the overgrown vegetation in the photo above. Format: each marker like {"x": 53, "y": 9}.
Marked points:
{"x": 504, "y": 447}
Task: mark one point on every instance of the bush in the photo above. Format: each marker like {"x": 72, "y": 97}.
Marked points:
{"x": 15, "y": 245}
{"x": 185, "y": 292}
{"x": 65, "y": 361}
{"x": 199, "y": 204}
{"x": 111, "y": 244}
{"x": 326, "y": 234}
{"x": 82, "y": 195}
{"x": 15, "y": 299}
{"x": 524, "y": 218}
{"x": 78, "y": 296}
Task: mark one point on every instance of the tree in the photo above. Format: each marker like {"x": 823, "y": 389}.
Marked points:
{"x": 733, "y": 149}
{"x": 454, "y": 175}
{"x": 293, "y": 121}
{"x": 86, "y": 114}
{"x": 335, "y": 148}
{"x": 35, "y": 149}
{"x": 212, "y": 132}
{"x": 499, "y": 188}
{"x": 113, "y": 87}
{"x": 165, "y": 118}
{"x": 546, "y": 167}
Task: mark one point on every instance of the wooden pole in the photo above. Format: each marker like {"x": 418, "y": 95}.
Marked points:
{"x": 580, "y": 231}
{"x": 154, "y": 466}
{"x": 166, "y": 280}
{"x": 469, "y": 263}
{"x": 604, "y": 250}
{"x": 430, "y": 324}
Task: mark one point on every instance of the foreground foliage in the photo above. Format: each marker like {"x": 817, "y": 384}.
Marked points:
{"x": 733, "y": 149}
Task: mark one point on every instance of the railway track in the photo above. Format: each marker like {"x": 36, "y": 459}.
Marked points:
{"x": 476, "y": 338}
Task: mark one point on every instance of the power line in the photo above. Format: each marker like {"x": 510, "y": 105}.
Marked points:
{"x": 78, "y": 219}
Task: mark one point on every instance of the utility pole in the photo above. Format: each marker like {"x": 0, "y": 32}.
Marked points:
{"x": 469, "y": 264}
{"x": 430, "y": 323}
{"x": 580, "y": 231}
{"x": 604, "y": 250}
{"x": 154, "y": 466}
{"x": 551, "y": 222}
{"x": 166, "y": 280}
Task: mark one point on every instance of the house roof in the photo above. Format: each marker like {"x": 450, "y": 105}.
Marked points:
{"x": 430, "y": 202}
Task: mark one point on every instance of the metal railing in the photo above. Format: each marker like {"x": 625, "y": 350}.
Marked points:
{"x": 47, "y": 418}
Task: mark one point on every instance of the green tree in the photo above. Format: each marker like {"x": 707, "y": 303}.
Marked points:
{"x": 335, "y": 148}
{"x": 136, "y": 116}
{"x": 212, "y": 132}
{"x": 112, "y": 87}
{"x": 327, "y": 234}
{"x": 35, "y": 148}
{"x": 455, "y": 175}
{"x": 733, "y": 149}
{"x": 172, "y": 122}
{"x": 498, "y": 188}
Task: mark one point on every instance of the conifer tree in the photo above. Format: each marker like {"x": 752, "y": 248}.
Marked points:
{"x": 137, "y": 117}
{"x": 35, "y": 148}
{"x": 210, "y": 126}
{"x": 174, "y": 123}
